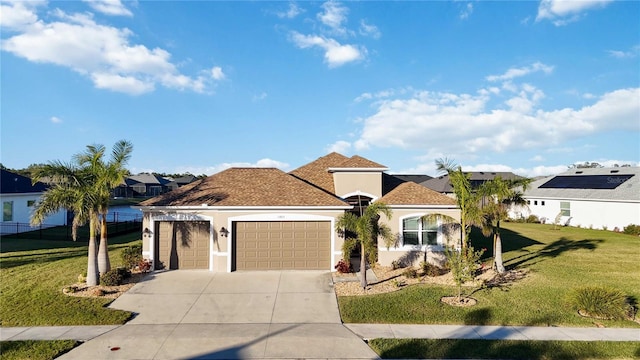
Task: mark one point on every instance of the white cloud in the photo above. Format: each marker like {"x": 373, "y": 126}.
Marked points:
{"x": 333, "y": 16}
{"x": 537, "y": 158}
{"x": 102, "y": 53}
{"x": 18, "y": 15}
{"x": 259, "y": 97}
{"x": 216, "y": 73}
{"x": 109, "y": 7}
{"x": 293, "y": 11}
{"x": 369, "y": 30}
{"x": 210, "y": 170}
{"x": 55, "y": 120}
{"x": 562, "y": 12}
{"x": 514, "y": 73}
{"x": 628, "y": 54}
{"x": 335, "y": 54}
{"x": 466, "y": 11}
{"x": 427, "y": 120}
{"x": 340, "y": 146}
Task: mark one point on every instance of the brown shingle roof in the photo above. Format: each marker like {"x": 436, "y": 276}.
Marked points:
{"x": 358, "y": 162}
{"x": 316, "y": 172}
{"x": 410, "y": 193}
{"x": 247, "y": 187}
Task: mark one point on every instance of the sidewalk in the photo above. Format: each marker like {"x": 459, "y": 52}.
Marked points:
{"x": 371, "y": 331}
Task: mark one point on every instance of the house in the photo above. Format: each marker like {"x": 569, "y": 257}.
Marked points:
{"x": 599, "y": 198}
{"x": 18, "y": 197}
{"x": 264, "y": 218}
{"x": 145, "y": 185}
{"x": 442, "y": 184}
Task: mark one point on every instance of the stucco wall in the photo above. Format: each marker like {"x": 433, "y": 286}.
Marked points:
{"x": 22, "y": 212}
{"x": 349, "y": 183}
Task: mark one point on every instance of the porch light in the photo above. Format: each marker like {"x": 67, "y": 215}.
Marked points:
{"x": 224, "y": 232}
{"x": 146, "y": 231}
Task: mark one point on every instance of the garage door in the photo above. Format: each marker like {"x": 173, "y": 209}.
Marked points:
{"x": 282, "y": 245}
{"x": 182, "y": 245}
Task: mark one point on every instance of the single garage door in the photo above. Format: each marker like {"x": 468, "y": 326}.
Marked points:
{"x": 182, "y": 244}
{"x": 282, "y": 245}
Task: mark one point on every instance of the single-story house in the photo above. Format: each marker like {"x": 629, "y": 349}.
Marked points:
{"x": 18, "y": 197}
{"x": 264, "y": 218}
{"x": 145, "y": 184}
{"x": 599, "y": 198}
{"x": 442, "y": 184}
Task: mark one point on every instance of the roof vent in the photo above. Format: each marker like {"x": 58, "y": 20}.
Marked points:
{"x": 615, "y": 171}
{"x": 578, "y": 172}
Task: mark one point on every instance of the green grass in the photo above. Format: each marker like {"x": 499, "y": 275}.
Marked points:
{"x": 557, "y": 260}
{"x": 503, "y": 349}
{"x": 33, "y": 273}
{"x": 35, "y": 350}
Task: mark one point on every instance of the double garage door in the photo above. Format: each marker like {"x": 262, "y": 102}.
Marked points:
{"x": 256, "y": 245}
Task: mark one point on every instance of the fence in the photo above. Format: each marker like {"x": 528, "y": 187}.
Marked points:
{"x": 117, "y": 224}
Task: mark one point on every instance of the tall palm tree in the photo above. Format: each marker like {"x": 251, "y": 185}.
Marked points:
{"x": 502, "y": 194}
{"x": 467, "y": 199}
{"x": 367, "y": 229}
{"x": 107, "y": 177}
{"x": 72, "y": 190}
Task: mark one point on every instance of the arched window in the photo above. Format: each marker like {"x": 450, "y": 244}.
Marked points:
{"x": 418, "y": 232}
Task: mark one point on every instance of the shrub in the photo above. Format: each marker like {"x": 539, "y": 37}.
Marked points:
{"x": 114, "y": 277}
{"x": 410, "y": 273}
{"x": 144, "y": 265}
{"x": 463, "y": 264}
{"x": 600, "y": 302}
{"x": 343, "y": 267}
{"x": 396, "y": 264}
{"x": 631, "y": 229}
{"x": 131, "y": 256}
{"x": 429, "y": 269}
{"x": 533, "y": 219}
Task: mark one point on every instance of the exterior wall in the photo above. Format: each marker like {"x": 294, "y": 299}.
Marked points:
{"x": 220, "y": 260}
{"x": 410, "y": 254}
{"x": 349, "y": 183}
{"x": 584, "y": 213}
{"x": 22, "y": 212}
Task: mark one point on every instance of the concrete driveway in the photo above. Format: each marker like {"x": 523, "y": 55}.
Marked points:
{"x": 242, "y": 315}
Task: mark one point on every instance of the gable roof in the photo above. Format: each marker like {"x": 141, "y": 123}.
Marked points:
{"x": 627, "y": 190}
{"x": 317, "y": 171}
{"x": 358, "y": 162}
{"x": 410, "y": 193}
{"x": 247, "y": 187}
{"x": 149, "y": 179}
{"x": 442, "y": 184}
{"x": 12, "y": 183}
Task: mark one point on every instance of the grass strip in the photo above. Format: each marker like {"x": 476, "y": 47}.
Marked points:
{"x": 35, "y": 350}
{"x": 503, "y": 349}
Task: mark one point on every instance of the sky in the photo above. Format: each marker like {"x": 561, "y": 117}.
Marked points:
{"x": 200, "y": 86}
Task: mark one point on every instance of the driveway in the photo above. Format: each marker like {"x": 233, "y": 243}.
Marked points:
{"x": 241, "y": 315}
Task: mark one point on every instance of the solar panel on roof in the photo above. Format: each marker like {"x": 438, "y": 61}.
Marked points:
{"x": 586, "y": 182}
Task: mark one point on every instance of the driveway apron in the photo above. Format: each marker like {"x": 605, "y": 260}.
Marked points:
{"x": 241, "y": 315}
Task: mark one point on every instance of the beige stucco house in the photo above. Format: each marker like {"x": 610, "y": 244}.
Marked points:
{"x": 264, "y": 218}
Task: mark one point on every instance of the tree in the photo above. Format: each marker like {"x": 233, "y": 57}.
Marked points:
{"x": 467, "y": 199}
{"x": 107, "y": 177}
{"x": 502, "y": 194}
{"x": 84, "y": 187}
{"x": 367, "y": 230}
{"x": 71, "y": 189}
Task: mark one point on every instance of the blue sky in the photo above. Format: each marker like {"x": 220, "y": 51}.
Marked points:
{"x": 200, "y": 86}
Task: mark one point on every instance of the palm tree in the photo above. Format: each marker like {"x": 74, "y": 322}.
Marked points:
{"x": 107, "y": 177}
{"x": 72, "y": 190}
{"x": 503, "y": 194}
{"x": 467, "y": 199}
{"x": 367, "y": 230}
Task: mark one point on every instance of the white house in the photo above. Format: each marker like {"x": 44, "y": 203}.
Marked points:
{"x": 599, "y": 198}
{"x": 18, "y": 196}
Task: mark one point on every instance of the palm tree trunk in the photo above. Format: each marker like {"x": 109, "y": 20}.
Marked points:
{"x": 499, "y": 266}
{"x": 363, "y": 266}
{"x": 92, "y": 264}
{"x": 104, "y": 264}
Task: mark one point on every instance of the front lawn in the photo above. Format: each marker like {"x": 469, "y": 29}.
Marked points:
{"x": 502, "y": 349}
{"x": 35, "y": 350}
{"x": 33, "y": 273}
{"x": 557, "y": 261}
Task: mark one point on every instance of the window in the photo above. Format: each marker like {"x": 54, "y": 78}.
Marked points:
{"x": 542, "y": 202}
{"x": 416, "y": 231}
{"x": 565, "y": 208}
{"x": 7, "y": 211}
{"x": 535, "y": 202}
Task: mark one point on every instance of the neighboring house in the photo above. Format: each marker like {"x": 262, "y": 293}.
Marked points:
{"x": 442, "y": 184}
{"x": 599, "y": 198}
{"x": 264, "y": 218}
{"x": 18, "y": 197}
{"x": 146, "y": 185}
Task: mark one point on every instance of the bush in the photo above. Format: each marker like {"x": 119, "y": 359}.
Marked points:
{"x": 131, "y": 256}
{"x": 410, "y": 273}
{"x": 343, "y": 267}
{"x": 431, "y": 270}
{"x": 144, "y": 265}
{"x": 532, "y": 219}
{"x": 600, "y": 302}
{"x": 114, "y": 277}
{"x": 631, "y": 229}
